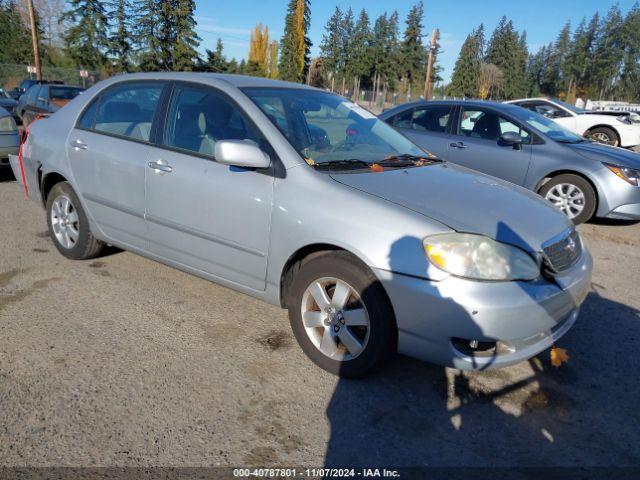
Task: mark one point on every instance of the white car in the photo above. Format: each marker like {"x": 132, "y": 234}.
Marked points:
{"x": 617, "y": 130}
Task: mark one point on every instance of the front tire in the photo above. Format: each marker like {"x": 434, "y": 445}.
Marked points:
{"x": 604, "y": 135}
{"x": 340, "y": 315}
{"x": 572, "y": 195}
{"x": 68, "y": 224}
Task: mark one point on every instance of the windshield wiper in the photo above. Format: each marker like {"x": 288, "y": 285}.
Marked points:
{"x": 346, "y": 164}
{"x": 406, "y": 159}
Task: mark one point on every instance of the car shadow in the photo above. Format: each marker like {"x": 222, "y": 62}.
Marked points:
{"x": 415, "y": 414}
{"x": 612, "y": 222}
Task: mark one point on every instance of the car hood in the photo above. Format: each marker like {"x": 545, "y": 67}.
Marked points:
{"x": 599, "y": 118}
{"x": 466, "y": 201}
{"x": 607, "y": 153}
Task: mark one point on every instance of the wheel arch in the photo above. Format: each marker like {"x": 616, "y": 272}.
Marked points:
{"x": 307, "y": 252}
{"x": 47, "y": 181}
{"x": 603, "y": 125}
{"x": 582, "y": 175}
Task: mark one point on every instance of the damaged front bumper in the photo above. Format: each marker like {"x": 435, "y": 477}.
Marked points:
{"x": 509, "y": 321}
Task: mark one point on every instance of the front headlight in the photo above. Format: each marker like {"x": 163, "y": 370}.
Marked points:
{"x": 8, "y": 125}
{"x": 629, "y": 175}
{"x": 479, "y": 258}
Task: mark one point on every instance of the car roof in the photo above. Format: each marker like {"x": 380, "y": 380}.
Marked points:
{"x": 466, "y": 103}
{"x": 239, "y": 81}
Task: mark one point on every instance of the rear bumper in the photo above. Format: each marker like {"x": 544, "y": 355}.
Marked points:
{"x": 521, "y": 318}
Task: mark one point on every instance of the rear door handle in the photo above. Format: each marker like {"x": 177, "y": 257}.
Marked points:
{"x": 79, "y": 145}
{"x": 457, "y": 145}
{"x": 161, "y": 166}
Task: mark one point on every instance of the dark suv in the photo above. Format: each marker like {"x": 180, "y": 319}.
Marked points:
{"x": 44, "y": 99}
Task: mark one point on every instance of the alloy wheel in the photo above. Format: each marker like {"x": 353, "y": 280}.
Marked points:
{"x": 568, "y": 198}
{"x": 602, "y": 137}
{"x": 65, "y": 222}
{"x": 335, "y": 318}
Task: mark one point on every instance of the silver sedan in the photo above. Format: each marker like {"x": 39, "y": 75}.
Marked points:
{"x": 305, "y": 200}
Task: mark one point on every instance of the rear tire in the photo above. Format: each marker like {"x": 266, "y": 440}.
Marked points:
{"x": 572, "y": 195}
{"x": 604, "y": 135}
{"x": 69, "y": 226}
{"x": 349, "y": 338}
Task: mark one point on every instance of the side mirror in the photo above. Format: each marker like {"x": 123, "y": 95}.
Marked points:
{"x": 511, "y": 139}
{"x": 241, "y": 153}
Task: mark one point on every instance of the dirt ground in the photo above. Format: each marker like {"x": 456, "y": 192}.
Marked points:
{"x": 121, "y": 361}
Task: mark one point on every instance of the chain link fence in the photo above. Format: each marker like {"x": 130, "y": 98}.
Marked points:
{"x": 12, "y": 74}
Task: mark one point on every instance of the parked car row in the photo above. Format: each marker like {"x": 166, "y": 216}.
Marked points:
{"x": 43, "y": 99}
{"x": 580, "y": 177}
{"x": 305, "y": 200}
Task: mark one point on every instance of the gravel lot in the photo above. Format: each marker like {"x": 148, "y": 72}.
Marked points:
{"x": 123, "y": 361}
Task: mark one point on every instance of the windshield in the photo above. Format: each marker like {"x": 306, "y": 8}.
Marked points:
{"x": 568, "y": 106}
{"x": 329, "y": 130}
{"x": 546, "y": 126}
{"x": 64, "y": 93}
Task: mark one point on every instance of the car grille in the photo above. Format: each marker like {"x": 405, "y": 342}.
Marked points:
{"x": 564, "y": 253}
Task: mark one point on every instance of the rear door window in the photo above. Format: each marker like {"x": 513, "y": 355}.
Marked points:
{"x": 127, "y": 110}
{"x": 431, "y": 119}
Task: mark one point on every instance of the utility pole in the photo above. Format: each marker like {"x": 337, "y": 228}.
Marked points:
{"x": 432, "y": 57}
{"x": 34, "y": 39}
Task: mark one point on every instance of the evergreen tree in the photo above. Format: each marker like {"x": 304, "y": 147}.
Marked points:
{"x": 146, "y": 35}
{"x": 628, "y": 87}
{"x": 467, "y": 68}
{"x": 186, "y": 40}
{"x": 331, "y": 45}
{"x": 609, "y": 43}
{"x": 385, "y": 50}
{"x": 348, "y": 25}
{"x": 296, "y": 45}
{"x": 86, "y": 39}
{"x": 216, "y": 61}
{"x": 15, "y": 37}
{"x": 120, "y": 38}
{"x": 580, "y": 59}
{"x": 233, "y": 66}
{"x": 413, "y": 53}
{"x": 361, "y": 54}
{"x": 506, "y": 51}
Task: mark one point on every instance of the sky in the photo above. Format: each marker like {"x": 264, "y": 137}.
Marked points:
{"x": 232, "y": 21}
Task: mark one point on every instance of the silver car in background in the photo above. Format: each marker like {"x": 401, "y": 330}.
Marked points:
{"x": 582, "y": 178}
{"x": 9, "y": 137}
{"x": 305, "y": 200}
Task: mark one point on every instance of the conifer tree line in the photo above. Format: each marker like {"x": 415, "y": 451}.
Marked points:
{"x": 116, "y": 36}
{"x": 359, "y": 53}
{"x": 599, "y": 59}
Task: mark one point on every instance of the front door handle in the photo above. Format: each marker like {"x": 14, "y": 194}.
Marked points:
{"x": 161, "y": 166}
{"x": 457, "y": 145}
{"x": 78, "y": 145}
